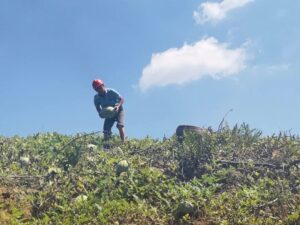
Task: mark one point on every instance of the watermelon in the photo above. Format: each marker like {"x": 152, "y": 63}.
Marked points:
{"x": 108, "y": 112}
{"x": 80, "y": 199}
{"x": 54, "y": 170}
{"x": 24, "y": 160}
{"x": 122, "y": 166}
{"x": 185, "y": 207}
{"x": 92, "y": 147}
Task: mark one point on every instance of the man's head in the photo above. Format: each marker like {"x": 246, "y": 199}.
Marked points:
{"x": 98, "y": 86}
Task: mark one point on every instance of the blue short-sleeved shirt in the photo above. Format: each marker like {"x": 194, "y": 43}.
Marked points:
{"x": 111, "y": 98}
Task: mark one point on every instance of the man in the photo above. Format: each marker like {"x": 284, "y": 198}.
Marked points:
{"x": 108, "y": 97}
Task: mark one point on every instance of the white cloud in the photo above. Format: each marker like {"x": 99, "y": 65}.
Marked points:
{"x": 178, "y": 66}
{"x": 216, "y": 11}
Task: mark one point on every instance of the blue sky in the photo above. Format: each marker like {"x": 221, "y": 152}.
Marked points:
{"x": 174, "y": 62}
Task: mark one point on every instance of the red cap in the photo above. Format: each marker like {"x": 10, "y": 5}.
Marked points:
{"x": 97, "y": 84}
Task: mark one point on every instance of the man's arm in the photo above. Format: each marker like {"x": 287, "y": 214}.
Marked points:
{"x": 98, "y": 108}
{"x": 119, "y": 97}
{"x": 119, "y": 104}
{"x": 97, "y": 105}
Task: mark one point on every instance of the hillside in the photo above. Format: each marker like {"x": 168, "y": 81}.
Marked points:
{"x": 231, "y": 176}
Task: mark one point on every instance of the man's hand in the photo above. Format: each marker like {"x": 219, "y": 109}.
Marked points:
{"x": 116, "y": 108}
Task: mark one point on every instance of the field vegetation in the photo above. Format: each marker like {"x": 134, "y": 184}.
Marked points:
{"x": 229, "y": 176}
